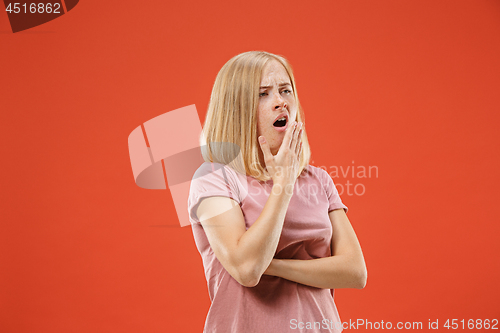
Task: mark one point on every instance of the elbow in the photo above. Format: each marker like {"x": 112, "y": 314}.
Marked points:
{"x": 248, "y": 277}
{"x": 358, "y": 273}
{"x": 245, "y": 271}
{"x": 249, "y": 282}
{"x": 360, "y": 278}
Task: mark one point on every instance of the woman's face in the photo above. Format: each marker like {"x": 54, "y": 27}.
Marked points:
{"x": 276, "y": 100}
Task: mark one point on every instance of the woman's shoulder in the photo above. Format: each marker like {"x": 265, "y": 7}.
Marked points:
{"x": 216, "y": 179}
{"x": 315, "y": 172}
{"x": 210, "y": 168}
{"x": 317, "y": 175}
{"x": 211, "y": 174}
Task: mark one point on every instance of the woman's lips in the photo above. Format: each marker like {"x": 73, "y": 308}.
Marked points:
{"x": 283, "y": 128}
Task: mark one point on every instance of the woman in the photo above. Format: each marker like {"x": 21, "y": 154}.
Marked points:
{"x": 271, "y": 229}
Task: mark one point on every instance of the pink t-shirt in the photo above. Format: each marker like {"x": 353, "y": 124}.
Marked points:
{"x": 275, "y": 304}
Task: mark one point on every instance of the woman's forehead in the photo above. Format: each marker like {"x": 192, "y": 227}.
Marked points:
{"x": 274, "y": 73}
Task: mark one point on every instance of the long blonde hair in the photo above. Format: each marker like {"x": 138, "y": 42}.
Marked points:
{"x": 229, "y": 135}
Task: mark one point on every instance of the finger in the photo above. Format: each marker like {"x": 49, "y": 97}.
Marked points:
{"x": 299, "y": 142}
{"x": 288, "y": 135}
{"x": 300, "y": 151}
{"x": 295, "y": 141}
{"x": 265, "y": 149}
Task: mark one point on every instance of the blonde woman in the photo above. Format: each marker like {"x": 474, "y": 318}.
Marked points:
{"x": 271, "y": 229}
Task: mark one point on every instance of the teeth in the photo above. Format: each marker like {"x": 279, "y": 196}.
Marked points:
{"x": 282, "y": 118}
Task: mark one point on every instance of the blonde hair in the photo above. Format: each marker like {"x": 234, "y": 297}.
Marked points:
{"x": 229, "y": 135}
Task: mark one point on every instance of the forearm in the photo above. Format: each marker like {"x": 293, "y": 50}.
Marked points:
{"x": 334, "y": 272}
{"x": 257, "y": 246}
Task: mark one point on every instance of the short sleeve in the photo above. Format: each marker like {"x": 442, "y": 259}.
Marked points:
{"x": 211, "y": 180}
{"x": 334, "y": 201}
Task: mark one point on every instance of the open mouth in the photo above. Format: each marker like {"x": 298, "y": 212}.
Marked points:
{"x": 280, "y": 122}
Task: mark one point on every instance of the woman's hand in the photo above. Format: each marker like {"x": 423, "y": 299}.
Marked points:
{"x": 284, "y": 166}
{"x": 247, "y": 253}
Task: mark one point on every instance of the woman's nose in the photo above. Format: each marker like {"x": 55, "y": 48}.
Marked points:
{"x": 279, "y": 103}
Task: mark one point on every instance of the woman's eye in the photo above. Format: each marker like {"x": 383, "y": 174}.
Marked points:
{"x": 286, "y": 91}
{"x": 262, "y": 94}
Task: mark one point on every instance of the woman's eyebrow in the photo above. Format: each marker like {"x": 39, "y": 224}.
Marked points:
{"x": 281, "y": 85}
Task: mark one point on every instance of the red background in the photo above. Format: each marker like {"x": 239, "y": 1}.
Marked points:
{"x": 411, "y": 87}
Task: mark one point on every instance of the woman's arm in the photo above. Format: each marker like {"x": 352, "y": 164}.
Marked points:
{"x": 246, "y": 254}
{"x": 344, "y": 269}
